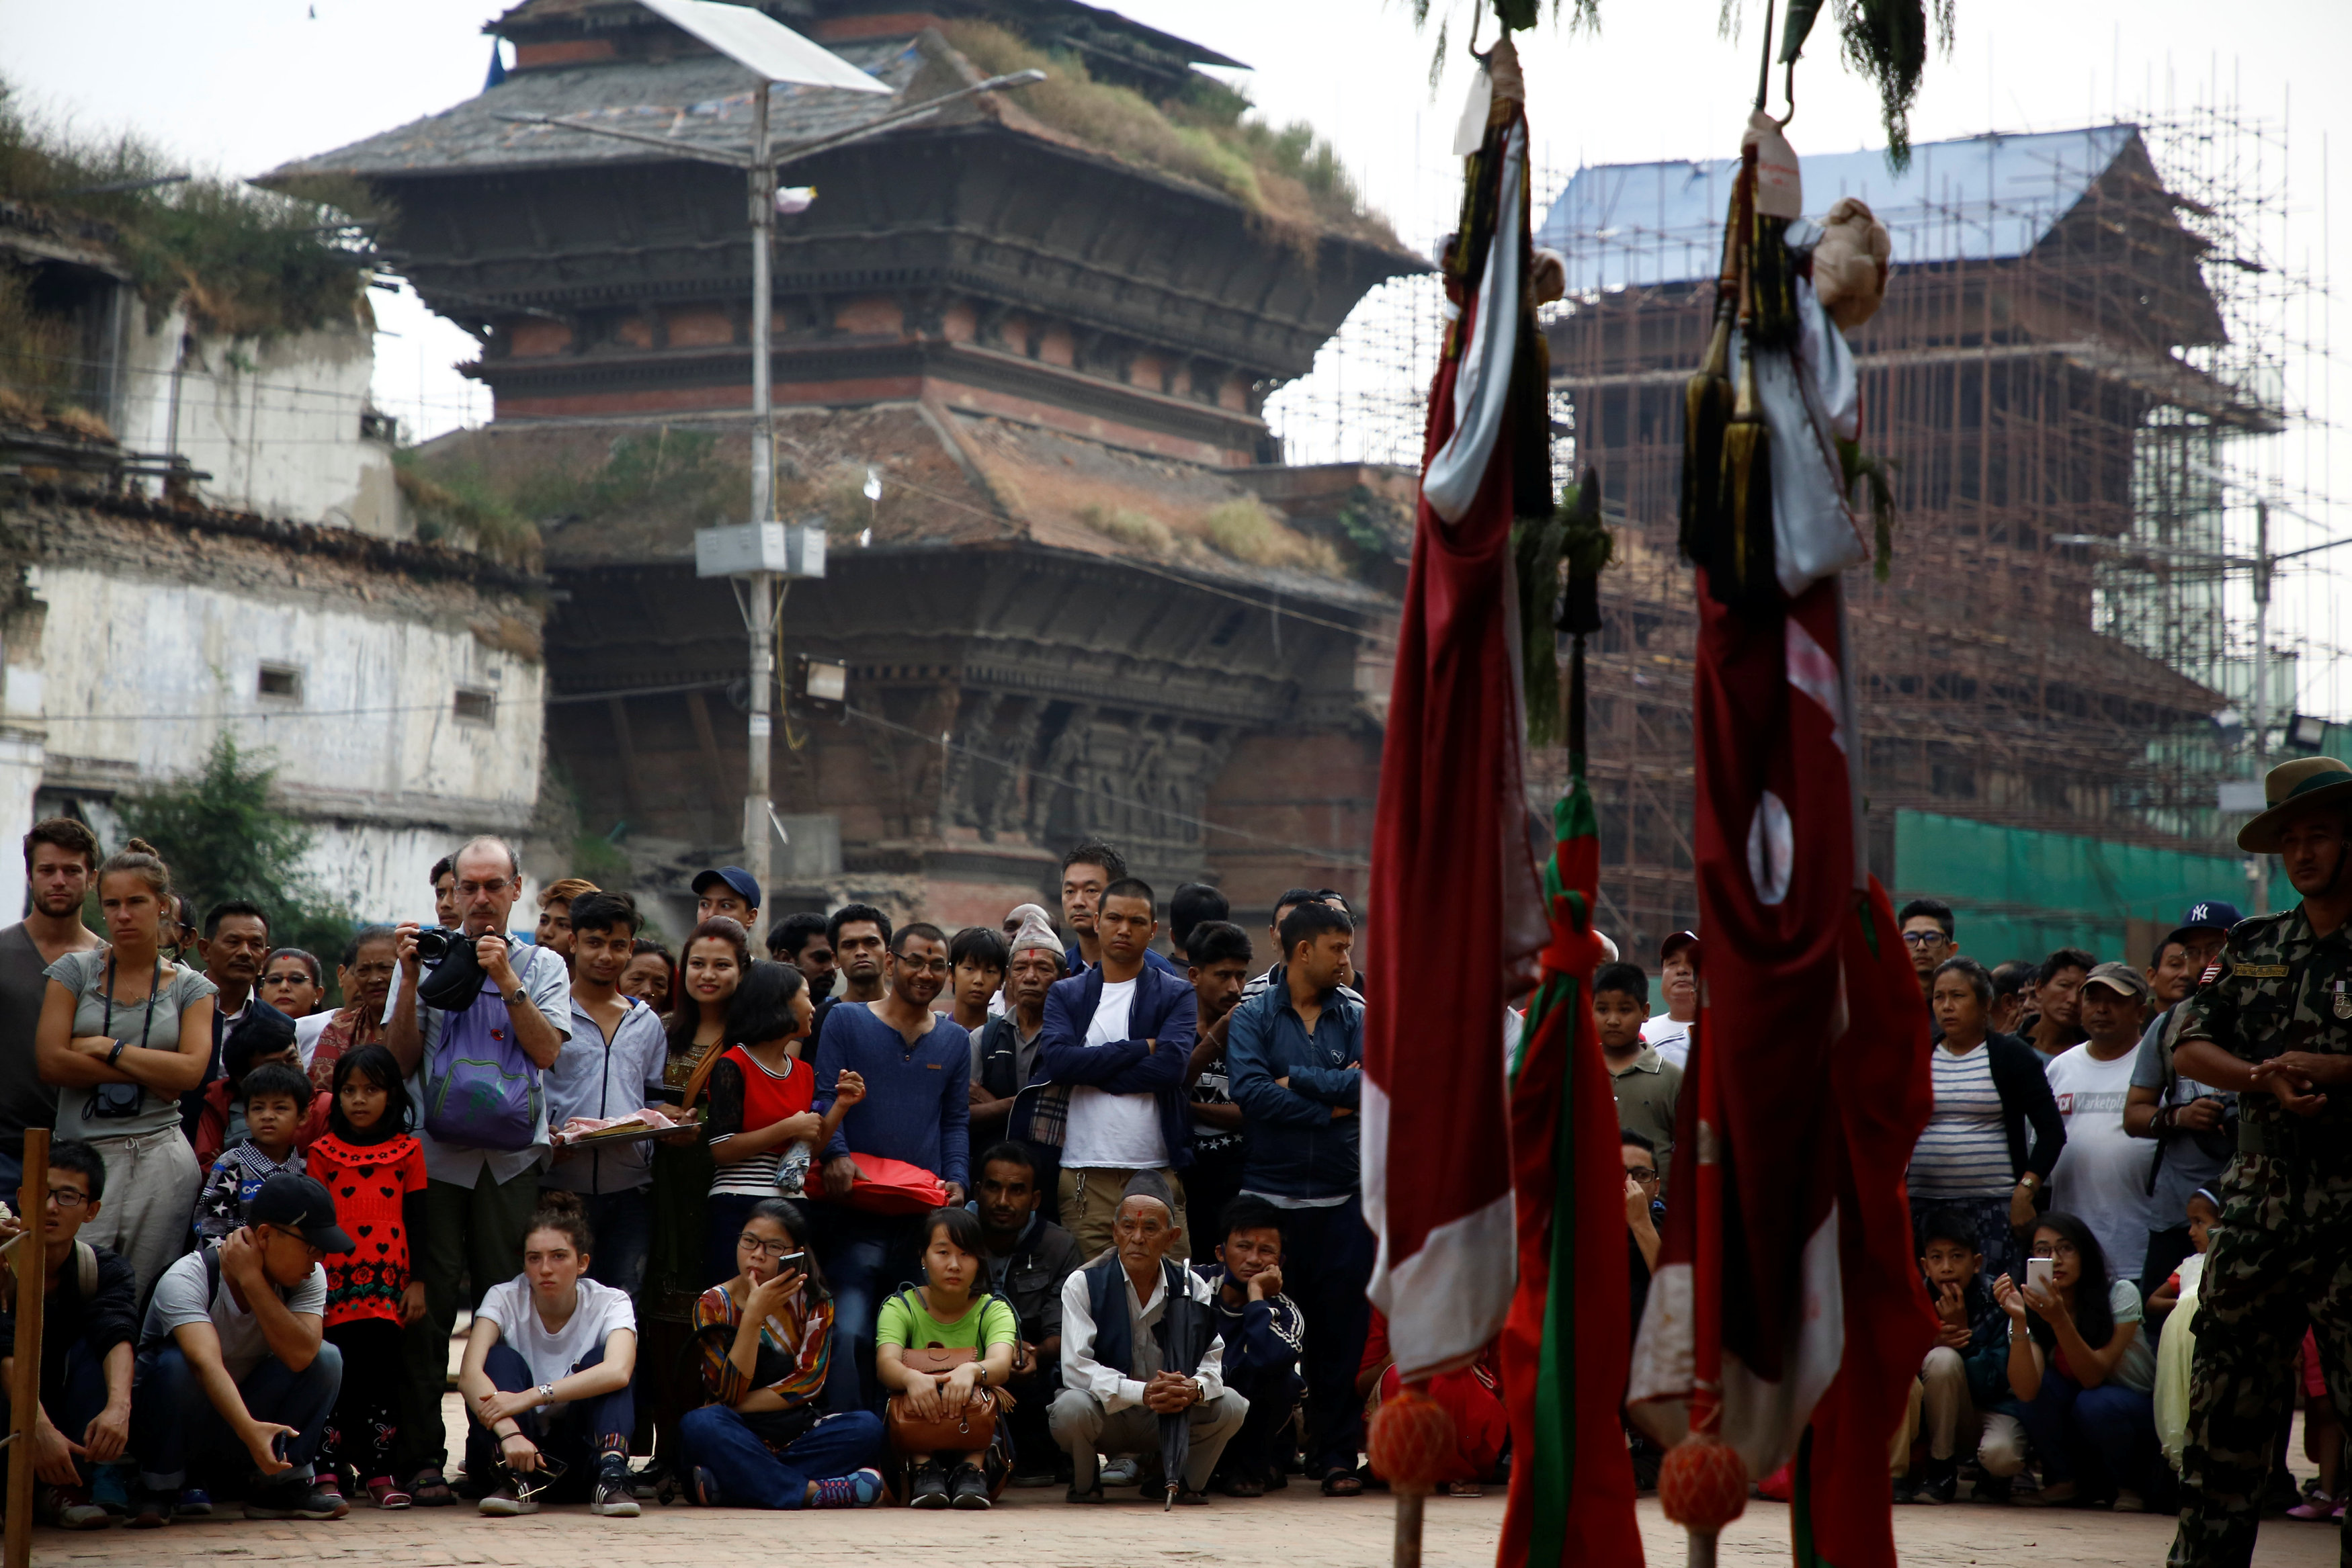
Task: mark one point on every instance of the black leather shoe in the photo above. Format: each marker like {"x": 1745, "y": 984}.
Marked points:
{"x": 928, "y": 1489}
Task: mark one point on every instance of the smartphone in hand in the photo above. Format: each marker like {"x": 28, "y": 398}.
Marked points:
{"x": 2037, "y": 1273}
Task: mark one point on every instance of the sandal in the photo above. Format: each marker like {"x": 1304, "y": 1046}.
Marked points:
{"x": 1343, "y": 1483}
{"x": 430, "y": 1489}
{"x": 1464, "y": 1488}
{"x": 2320, "y": 1507}
{"x": 385, "y": 1493}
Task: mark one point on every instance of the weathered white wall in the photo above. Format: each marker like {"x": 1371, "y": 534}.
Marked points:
{"x": 131, "y": 678}
{"x": 275, "y": 423}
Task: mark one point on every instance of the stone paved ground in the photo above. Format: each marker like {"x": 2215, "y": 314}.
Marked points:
{"x": 1297, "y": 1529}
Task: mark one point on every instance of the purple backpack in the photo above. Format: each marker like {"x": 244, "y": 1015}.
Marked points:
{"x": 480, "y": 1090}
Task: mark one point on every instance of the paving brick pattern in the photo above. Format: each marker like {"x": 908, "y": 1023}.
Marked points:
{"x": 1295, "y": 1529}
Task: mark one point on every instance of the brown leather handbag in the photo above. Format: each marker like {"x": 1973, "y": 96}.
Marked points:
{"x": 966, "y": 1431}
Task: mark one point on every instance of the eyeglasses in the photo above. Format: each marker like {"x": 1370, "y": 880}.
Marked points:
{"x": 66, "y": 1198}
{"x": 748, "y": 1242}
{"x": 935, "y": 966}
{"x": 2055, "y": 1249}
{"x": 1926, "y": 938}
{"x": 493, "y": 887}
{"x": 1640, "y": 1173}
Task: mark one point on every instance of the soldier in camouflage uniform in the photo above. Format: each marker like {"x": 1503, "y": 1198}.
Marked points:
{"x": 2273, "y": 1022}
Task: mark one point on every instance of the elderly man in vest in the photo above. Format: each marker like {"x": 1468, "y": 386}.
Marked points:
{"x": 1138, "y": 1345}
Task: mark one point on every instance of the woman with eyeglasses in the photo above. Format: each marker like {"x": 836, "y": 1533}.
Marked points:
{"x": 124, "y": 1033}
{"x": 765, "y": 1338}
{"x": 2080, "y": 1374}
{"x": 370, "y": 960}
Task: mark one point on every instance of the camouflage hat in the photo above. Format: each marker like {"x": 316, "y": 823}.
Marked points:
{"x": 2290, "y": 789}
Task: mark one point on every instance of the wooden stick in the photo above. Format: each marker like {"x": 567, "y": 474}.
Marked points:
{"x": 25, "y": 1386}
{"x": 1407, "y": 1529}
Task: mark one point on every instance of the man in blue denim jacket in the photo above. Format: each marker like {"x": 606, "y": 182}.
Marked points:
{"x": 1294, "y": 1054}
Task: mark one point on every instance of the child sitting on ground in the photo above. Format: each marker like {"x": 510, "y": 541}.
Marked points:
{"x": 1963, "y": 1373}
{"x": 276, "y": 1098}
{"x": 1646, "y": 1083}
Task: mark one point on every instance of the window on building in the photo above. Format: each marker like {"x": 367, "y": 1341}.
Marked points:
{"x": 280, "y": 682}
{"x": 477, "y": 706}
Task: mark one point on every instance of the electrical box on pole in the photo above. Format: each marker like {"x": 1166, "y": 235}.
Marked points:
{"x": 740, "y": 550}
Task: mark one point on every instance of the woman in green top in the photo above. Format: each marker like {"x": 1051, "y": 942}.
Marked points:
{"x": 942, "y": 1314}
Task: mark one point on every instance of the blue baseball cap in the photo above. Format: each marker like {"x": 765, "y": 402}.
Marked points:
{"x": 736, "y": 878}
{"x": 2207, "y": 914}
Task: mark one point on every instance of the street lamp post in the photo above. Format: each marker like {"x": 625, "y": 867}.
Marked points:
{"x": 764, "y": 552}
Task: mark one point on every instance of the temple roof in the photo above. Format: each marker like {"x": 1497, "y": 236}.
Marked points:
{"x": 949, "y": 481}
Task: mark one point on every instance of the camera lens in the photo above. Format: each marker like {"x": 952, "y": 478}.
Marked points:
{"x": 433, "y": 946}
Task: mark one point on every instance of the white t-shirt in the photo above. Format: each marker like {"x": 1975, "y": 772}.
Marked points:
{"x": 602, "y": 1310}
{"x": 307, "y": 1031}
{"x": 2102, "y": 1174}
{"x": 180, "y": 1301}
{"x": 1120, "y": 1131}
{"x": 1669, "y": 1039}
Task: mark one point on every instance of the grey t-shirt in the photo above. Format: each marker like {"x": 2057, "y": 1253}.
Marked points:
{"x": 123, "y": 1110}
{"x": 2188, "y": 1160}
{"x": 179, "y": 1300}
{"x": 24, "y": 1100}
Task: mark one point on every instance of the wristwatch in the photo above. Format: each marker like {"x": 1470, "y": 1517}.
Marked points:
{"x": 516, "y": 996}
{"x": 115, "y": 1056}
{"x": 547, "y": 1394}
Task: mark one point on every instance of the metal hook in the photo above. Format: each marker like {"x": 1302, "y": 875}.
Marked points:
{"x": 1477, "y": 15}
{"x": 1789, "y": 87}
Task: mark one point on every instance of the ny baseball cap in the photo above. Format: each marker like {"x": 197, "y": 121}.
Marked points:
{"x": 2208, "y": 915}
{"x": 300, "y": 1205}
{"x": 735, "y": 877}
{"x": 2120, "y": 977}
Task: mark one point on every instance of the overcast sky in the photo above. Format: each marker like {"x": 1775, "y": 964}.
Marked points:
{"x": 245, "y": 86}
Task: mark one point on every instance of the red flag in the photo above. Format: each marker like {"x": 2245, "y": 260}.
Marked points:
{"x": 1885, "y": 1093}
{"x": 1822, "y": 1063}
{"x": 1451, "y": 849}
{"x": 1565, "y": 1348}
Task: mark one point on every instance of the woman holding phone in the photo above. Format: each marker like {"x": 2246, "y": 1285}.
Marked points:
{"x": 943, "y": 1314}
{"x": 2080, "y": 1372}
{"x": 124, "y": 1031}
{"x": 766, "y": 1340}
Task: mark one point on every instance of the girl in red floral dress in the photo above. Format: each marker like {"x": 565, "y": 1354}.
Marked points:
{"x": 375, "y": 1171}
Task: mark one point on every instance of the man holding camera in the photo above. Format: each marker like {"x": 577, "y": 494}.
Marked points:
{"x": 478, "y": 1022}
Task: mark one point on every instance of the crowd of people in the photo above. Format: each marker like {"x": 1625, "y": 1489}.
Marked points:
{"x": 883, "y": 1214}
{"x": 891, "y": 1213}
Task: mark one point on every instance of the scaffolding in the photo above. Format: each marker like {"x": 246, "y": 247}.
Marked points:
{"x": 2084, "y": 361}
{"x": 2080, "y": 337}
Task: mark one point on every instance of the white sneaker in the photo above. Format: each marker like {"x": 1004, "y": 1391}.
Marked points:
{"x": 1122, "y": 1471}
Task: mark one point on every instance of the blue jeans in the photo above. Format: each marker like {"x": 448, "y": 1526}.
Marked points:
{"x": 623, "y": 1224}
{"x": 867, "y": 1258}
{"x": 749, "y": 1474}
{"x": 578, "y": 1434}
{"x": 2100, "y": 1438}
{"x": 172, "y": 1419}
{"x": 74, "y": 1397}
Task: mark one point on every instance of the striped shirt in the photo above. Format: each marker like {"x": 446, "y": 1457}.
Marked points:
{"x": 1964, "y": 1153}
{"x": 795, "y": 1348}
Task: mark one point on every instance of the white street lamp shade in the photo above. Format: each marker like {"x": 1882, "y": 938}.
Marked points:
{"x": 764, "y": 45}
